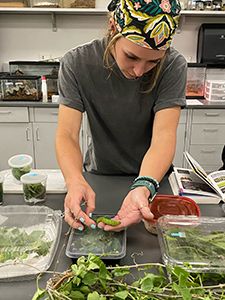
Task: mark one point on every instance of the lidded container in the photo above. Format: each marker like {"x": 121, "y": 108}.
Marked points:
{"x": 1, "y": 188}
{"x": 45, "y": 3}
{"x": 34, "y": 187}
{"x": 20, "y": 164}
{"x": 196, "y": 74}
{"x": 108, "y": 245}
{"x": 215, "y": 90}
{"x": 196, "y": 244}
{"x": 79, "y": 3}
{"x": 170, "y": 205}
{"x": 29, "y": 237}
{"x": 20, "y": 87}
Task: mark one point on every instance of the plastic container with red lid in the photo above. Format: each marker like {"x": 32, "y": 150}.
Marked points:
{"x": 170, "y": 205}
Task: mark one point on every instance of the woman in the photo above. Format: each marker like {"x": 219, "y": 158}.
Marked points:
{"x": 132, "y": 86}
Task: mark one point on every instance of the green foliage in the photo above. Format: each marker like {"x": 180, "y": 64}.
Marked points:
{"x": 18, "y": 172}
{"x": 34, "y": 191}
{"x": 90, "y": 279}
{"x": 16, "y": 243}
{"x": 108, "y": 221}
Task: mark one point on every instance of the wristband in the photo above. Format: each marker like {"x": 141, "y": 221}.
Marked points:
{"x": 150, "y": 179}
{"x": 150, "y": 186}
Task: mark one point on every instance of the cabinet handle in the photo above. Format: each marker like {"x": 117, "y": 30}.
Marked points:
{"x": 37, "y": 134}
{"x": 28, "y": 134}
{"x": 55, "y": 113}
{"x": 210, "y": 129}
{"x": 6, "y": 112}
{"x": 212, "y": 114}
{"x": 208, "y": 151}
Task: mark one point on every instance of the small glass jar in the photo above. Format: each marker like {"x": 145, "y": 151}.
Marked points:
{"x": 34, "y": 187}
{"x": 20, "y": 164}
{"x": 1, "y": 189}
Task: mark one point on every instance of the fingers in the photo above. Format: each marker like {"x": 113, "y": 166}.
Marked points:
{"x": 146, "y": 212}
{"x": 78, "y": 220}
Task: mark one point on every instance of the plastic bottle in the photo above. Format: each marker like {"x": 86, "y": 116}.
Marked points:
{"x": 44, "y": 89}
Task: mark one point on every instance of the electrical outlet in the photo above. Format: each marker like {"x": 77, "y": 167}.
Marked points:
{"x": 45, "y": 56}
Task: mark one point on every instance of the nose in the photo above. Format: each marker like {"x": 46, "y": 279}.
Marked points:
{"x": 139, "y": 69}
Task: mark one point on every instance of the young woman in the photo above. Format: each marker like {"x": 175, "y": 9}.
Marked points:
{"x": 131, "y": 84}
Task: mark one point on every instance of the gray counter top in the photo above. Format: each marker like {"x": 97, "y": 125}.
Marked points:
{"x": 203, "y": 104}
{"x": 110, "y": 190}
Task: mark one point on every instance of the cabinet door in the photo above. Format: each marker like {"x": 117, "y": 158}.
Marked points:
{"x": 181, "y": 135}
{"x": 44, "y": 145}
{"x": 16, "y": 138}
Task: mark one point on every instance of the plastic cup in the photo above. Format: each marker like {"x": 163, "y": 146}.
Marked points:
{"x": 34, "y": 187}
{"x": 20, "y": 164}
{"x": 170, "y": 205}
{"x": 1, "y": 188}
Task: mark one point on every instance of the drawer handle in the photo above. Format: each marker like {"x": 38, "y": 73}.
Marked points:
{"x": 28, "y": 134}
{"x": 7, "y": 112}
{"x": 210, "y": 129}
{"x": 212, "y": 114}
{"x": 55, "y": 113}
{"x": 208, "y": 151}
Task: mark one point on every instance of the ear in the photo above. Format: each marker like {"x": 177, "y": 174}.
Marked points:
{"x": 112, "y": 25}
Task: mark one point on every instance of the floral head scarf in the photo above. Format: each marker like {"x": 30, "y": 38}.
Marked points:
{"x": 148, "y": 23}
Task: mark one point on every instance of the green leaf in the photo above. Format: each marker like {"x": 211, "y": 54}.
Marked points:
{"x": 39, "y": 294}
{"x": 77, "y": 295}
{"x": 94, "y": 296}
{"x": 122, "y": 294}
{"x": 90, "y": 278}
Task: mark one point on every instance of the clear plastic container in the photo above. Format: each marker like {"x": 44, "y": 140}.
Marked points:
{"x": 1, "y": 188}
{"x": 13, "y": 3}
{"x": 215, "y": 84}
{"x": 20, "y": 164}
{"x": 193, "y": 243}
{"x": 34, "y": 68}
{"x": 34, "y": 187}
{"x": 107, "y": 245}
{"x": 20, "y": 87}
{"x": 45, "y": 3}
{"x": 215, "y": 97}
{"x": 195, "y": 80}
{"x": 79, "y": 3}
{"x": 170, "y": 205}
{"x": 31, "y": 237}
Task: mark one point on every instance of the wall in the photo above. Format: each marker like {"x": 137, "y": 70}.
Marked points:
{"x": 30, "y": 37}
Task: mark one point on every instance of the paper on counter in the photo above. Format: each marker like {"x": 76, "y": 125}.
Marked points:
{"x": 55, "y": 181}
{"x": 193, "y": 102}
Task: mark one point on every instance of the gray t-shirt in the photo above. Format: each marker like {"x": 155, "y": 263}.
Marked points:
{"x": 119, "y": 114}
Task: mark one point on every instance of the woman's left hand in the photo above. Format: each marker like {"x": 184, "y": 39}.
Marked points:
{"x": 135, "y": 207}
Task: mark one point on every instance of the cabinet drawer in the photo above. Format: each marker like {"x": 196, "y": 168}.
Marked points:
{"x": 14, "y": 114}
{"x": 209, "y": 116}
{"x": 207, "y": 155}
{"x": 46, "y": 115}
{"x": 208, "y": 134}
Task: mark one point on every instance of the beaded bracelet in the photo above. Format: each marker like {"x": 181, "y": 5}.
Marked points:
{"x": 150, "y": 186}
{"x": 150, "y": 179}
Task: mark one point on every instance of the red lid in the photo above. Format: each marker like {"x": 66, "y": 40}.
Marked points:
{"x": 173, "y": 205}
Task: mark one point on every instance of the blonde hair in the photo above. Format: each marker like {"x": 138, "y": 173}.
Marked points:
{"x": 150, "y": 78}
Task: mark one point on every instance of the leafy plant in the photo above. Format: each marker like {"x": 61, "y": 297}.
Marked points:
{"x": 18, "y": 172}
{"x": 17, "y": 244}
{"x": 91, "y": 279}
{"x": 34, "y": 191}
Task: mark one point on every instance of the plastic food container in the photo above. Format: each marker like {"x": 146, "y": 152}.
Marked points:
{"x": 195, "y": 80}
{"x": 31, "y": 237}
{"x": 21, "y": 88}
{"x": 79, "y": 3}
{"x": 20, "y": 165}
{"x": 170, "y": 205}
{"x": 34, "y": 187}
{"x": 13, "y": 3}
{"x": 1, "y": 188}
{"x": 107, "y": 245}
{"x": 45, "y": 3}
{"x": 34, "y": 68}
{"x": 194, "y": 243}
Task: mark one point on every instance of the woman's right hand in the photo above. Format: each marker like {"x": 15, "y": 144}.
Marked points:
{"x": 79, "y": 193}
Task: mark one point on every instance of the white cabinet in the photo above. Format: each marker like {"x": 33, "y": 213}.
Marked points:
{"x": 207, "y": 137}
{"x": 15, "y": 133}
{"x": 181, "y": 136}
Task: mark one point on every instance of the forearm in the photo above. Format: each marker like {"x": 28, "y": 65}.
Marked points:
{"x": 159, "y": 157}
{"x": 69, "y": 158}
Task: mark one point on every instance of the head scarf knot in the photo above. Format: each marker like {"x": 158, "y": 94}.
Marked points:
{"x": 148, "y": 23}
